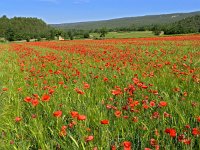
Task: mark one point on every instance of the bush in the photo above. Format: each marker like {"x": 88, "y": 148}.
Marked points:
{"x": 2, "y": 40}
{"x": 157, "y": 32}
{"x": 86, "y": 35}
{"x": 39, "y": 39}
{"x": 27, "y": 39}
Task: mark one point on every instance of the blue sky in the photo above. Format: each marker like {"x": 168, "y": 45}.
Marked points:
{"x": 66, "y": 11}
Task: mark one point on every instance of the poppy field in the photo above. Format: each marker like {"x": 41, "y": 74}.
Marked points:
{"x": 114, "y": 94}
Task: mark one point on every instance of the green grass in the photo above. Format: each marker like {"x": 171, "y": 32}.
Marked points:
{"x": 138, "y": 34}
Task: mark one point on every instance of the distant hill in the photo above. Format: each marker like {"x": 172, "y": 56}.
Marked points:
{"x": 128, "y": 21}
{"x": 184, "y": 26}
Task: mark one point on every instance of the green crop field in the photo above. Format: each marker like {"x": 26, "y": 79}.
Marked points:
{"x": 135, "y": 34}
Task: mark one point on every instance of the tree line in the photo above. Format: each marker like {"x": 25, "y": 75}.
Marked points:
{"x": 26, "y": 28}
{"x": 22, "y": 28}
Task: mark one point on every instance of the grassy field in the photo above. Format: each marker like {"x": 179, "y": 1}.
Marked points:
{"x": 135, "y": 34}
{"x": 117, "y": 94}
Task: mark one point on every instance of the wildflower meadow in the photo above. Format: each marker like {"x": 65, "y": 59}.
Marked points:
{"x": 114, "y": 94}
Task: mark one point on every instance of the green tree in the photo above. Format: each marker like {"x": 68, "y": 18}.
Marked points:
{"x": 156, "y": 30}
{"x": 86, "y": 35}
{"x": 103, "y": 31}
{"x": 10, "y": 34}
{"x": 27, "y": 39}
{"x": 70, "y": 34}
{"x": 4, "y": 24}
{"x": 52, "y": 34}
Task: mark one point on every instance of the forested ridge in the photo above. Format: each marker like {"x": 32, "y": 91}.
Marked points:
{"x": 127, "y": 22}
{"x": 184, "y": 26}
{"x": 20, "y": 28}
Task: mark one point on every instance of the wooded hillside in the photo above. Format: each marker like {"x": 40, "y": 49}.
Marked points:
{"x": 19, "y": 28}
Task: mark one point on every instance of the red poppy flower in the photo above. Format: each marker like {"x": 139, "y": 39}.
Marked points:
{"x": 57, "y": 113}
{"x": 12, "y": 142}
{"x": 74, "y": 114}
{"x": 144, "y": 86}
{"x": 152, "y": 103}
{"x": 125, "y": 117}
{"x": 162, "y": 104}
{"x": 19, "y": 89}
{"x": 198, "y": 118}
{"x": 51, "y": 91}
{"x": 136, "y": 80}
{"x": 95, "y": 148}
{"x": 61, "y": 82}
{"x": 5, "y": 89}
{"x": 71, "y": 124}
{"x": 171, "y": 132}
{"x": 187, "y": 126}
{"x": 35, "y": 102}
{"x": 134, "y": 103}
{"x": 153, "y": 142}
{"x": 155, "y": 115}
{"x": 127, "y": 145}
{"x": 35, "y": 95}
{"x": 135, "y": 119}
{"x": 167, "y": 130}
{"x": 113, "y": 147}
{"x": 145, "y": 106}
{"x": 81, "y": 117}
{"x": 89, "y": 138}
{"x": 166, "y": 115}
{"x": 33, "y": 116}
{"x": 118, "y": 113}
{"x": 116, "y": 92}
{"x": 45, "y": 98}
{"x": 18, "y": 119}
{"x": 104, "y": 121}
{"x": 156, "y": 132}
{"x": 63, "y": 131}
{"x": 187, "y": 141}
{"x": 105, "y": 79}
{"x": 27, "y": 99}
{"x": 86, "y": 86}
{"x": 195, "y": 131}
{"x": 79, "y": 91}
